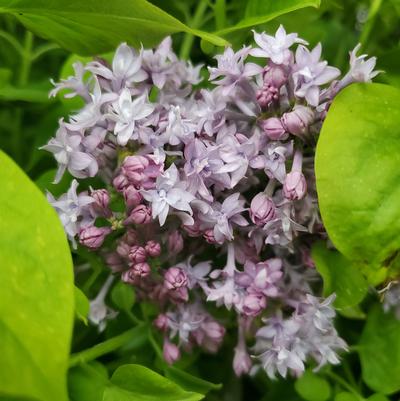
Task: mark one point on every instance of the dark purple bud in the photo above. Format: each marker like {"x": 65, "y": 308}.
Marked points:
{"x": 253, "y": 304}
{"x": 175, "y": 278}
{"x": 297, "y": 121}
{"x": 137, "y": 254}
{"x": 295, "y": 186}
{"x": 262, "y": 209}
{"x": 274, "y": 129}
{"x": 153, "y": 248}
{"x": 93, "y": 237}
{"x": 101, "y": 202}
{"x": 171, "y": 352}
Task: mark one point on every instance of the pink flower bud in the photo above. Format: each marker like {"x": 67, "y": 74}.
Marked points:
{"x": 209, "y": 236}
{"x": 241, "y": 361}
{"x": 295, "y": 186}
{"x": 253, "y": 304}
{"x": 175, "y": 242}
{"x": 123, "y": 249}
{"x": 153, "y": 248}
{"x": 101, "y": 202}
{"x": 129, "y": 277}
{"x": 171, "y": 352}
{"x": 115, "y": 262}
{"x": 132, "y": 197}
{"x": 213, "y": 330}
{"x": 262, "y": 209}
{"x": 130, "y": 237}
{"x": 179, "y": 295}
{"x": 137, "y": 254}
{"x": 140, "y": 269}
{"x": 93, "y": 237}
{"x": 297, "y": 121}
{"x": 193, "y": 230}
{"x": 141, "y": 214}
{"x": 161, "y": 322}
{"x": 274, "y": 129}
{"x": 175, "y": 278}
{"x": 120, "y": 182}
{"x": 275, "y": 76}
{"x": 141, "y": 171}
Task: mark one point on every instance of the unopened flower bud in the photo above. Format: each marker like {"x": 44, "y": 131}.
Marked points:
{"x": 120, "y": 182}
{"x": 275, "y": 76}
{"x": 141, "y": 214}
{"x": 209, "y": 236}
{"x": 295, "y": 186}
{"x": 262, "y": 209}
{"x": 137, "y": 254}
{"x": 274, "y": 129}
{"x": 123, "y": 249}
{"x": 130, "y": 237}
{"x": 241, "y": 361}
{"x": 114, "y": 262}
{"x": 161, "y": 322}
{"x": 140, "y": 269}
{"x": 132, "y": 197}
{"x": 171, "y": 352}
{"x": 133, "y": 167}
{"x": 101, "y": 202}
{"x": 129, "y": 277}
{"x": 153, "y": 248}
{"x": 297, "y": 121}
{"x": 253, "y": 304}
{"x": 175, "y": 278}
{"x": 213, "y": 330}
{"x": 93, "y": 237}
{"x": 175, "y": 242}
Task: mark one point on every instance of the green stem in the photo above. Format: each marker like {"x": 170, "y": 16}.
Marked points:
{"x": 39, "y": 51}
{"x": 369, "y": 24}
{"x": 26, "y": 61}
{"x": 220, "y": 14}
{"x": 344, "y": 384}
{"x": 194, "y": 23}
{"x": 102, "y": 348}
{"x": 155, "y": 345}
{"x": 13, "y": 42}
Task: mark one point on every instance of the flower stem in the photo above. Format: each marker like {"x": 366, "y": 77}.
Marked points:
{"x": 194, "y": 23}
{"x": 26, "y": 61}
{"x": 103, "y": 348}
{"x": 344, "y": 384}
{"x": 369, "y": 24}
{"x": 220, "y": 14}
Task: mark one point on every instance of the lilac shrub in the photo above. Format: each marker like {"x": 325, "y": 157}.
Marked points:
{"x": 218, "y": 190}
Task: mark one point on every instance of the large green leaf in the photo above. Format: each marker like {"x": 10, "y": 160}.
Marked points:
{"x": 95, "y": 26}
{"x": 311, "y": 387}
{"x": 358, "y": 174}
{"x": 379, "y": 351}
{"x": 138, "y": 383}
{"x": 340, "y": 276}
{"x": 261, "y": 11}
{"x": 36, "y": 286}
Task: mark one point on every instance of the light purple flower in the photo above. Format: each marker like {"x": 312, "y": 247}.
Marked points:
{"x": 169, "y": 192}
{"x": 126, "y": 112}
{"x": 275, "y": 47}
{"x": 310, "y": 73}
{"x": 70, "y": 154}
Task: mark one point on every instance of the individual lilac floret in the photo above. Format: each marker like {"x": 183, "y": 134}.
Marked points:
{"x": 169, "y": 192}
{"x": 127, "y": 112}
{"x": 70, "y": 154}
{"x": 93, "y": 237}
{"x": 73, "y": 210}
{"x": 275, "y": 47}
{"x": 262, "y": 209}
{"x": 391, "y": 299}
{"x": 232, "y": 69}
{"x": 310, "y": 73}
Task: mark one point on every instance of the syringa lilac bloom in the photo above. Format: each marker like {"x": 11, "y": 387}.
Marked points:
{"x": 206, "y": 193}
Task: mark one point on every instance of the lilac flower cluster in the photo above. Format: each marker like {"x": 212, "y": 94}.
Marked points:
{"x": 208, "y": 193}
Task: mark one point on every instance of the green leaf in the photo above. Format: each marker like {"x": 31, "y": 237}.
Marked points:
{"x": 36, "y": 280}
{"x": 379, "y": 351}
{"x": 123, "y": 296}
{"x": 190, "y": 382}
{"x": 97, "y": 26}
{"x": 81, "y": 305}
{"x": 346, "y": 396}
{"x": 377, "y": 397}
{"x": 261, "y": 11}
{"x": 87, "y": 382}
{"x": 32, "y": 94}
{"x": 312, "y": 387}
{"x": 358, "y": 175}
{"x": 340, "y": 276}
{"x": 138, "y": 383}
